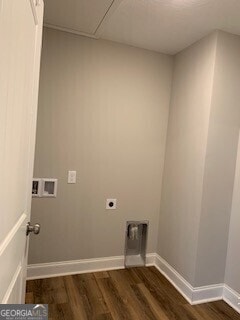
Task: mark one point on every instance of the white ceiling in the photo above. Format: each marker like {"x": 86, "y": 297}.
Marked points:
{"x": 166, "y": 26}
{"x": 81, "y": 15}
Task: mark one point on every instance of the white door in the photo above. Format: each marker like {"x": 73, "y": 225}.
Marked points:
{"x": 20, "y": 46}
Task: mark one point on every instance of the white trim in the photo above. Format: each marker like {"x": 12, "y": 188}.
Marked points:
{"x": 150, "y": 259}
{"x": 174, "y": 278}
{"x": 231, "y": 297}
{"x": 54, "y": 269}
{"x": 194, "y": 295}
{"x": 207, "y": 294}
{"x": 12, "y": 233}
{"x": 34, "y": 12}
{"x": 12, "y": 285}
{"x": 79, "y": 33}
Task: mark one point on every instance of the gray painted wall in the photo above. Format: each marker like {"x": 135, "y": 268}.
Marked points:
{"x": 231, "y": 74}
{"x": 185, "y": 156}
{"x": 200, "y": 160}
{"x": 103, "y": 111}
{"x": 220, "y": 163}
{"x": 232, "y": 275}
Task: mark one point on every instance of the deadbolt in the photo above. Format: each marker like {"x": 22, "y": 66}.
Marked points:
{"x": 35, "y": 229}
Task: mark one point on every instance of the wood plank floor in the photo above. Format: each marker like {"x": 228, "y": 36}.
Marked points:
{"x": 137, "y": 293}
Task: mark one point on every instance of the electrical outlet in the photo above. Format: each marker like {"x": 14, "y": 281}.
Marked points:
{"x": 111, "y": 204}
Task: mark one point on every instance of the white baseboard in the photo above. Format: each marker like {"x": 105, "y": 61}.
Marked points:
{"x": 207, "y": 294}
{"x": 175, "y": 278}
{"x": 194, "y": 295}
{"x": 231, "y": 297}
{"x": 54, "y": 269}
{"x": 198, "y": 295}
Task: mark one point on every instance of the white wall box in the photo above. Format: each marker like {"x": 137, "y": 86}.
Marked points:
{"x": 49, "y": 187}
{"x": 111, "y": 204}
{"x": 37, "y": 187}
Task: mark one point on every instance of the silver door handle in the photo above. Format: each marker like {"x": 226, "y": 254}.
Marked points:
{"x": 35, "y": 229}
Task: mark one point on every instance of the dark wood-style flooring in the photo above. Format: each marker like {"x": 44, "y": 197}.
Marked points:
{"x": 137, "y": 293}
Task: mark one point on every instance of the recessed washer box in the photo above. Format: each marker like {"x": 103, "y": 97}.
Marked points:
{"x": 49, "y": 187}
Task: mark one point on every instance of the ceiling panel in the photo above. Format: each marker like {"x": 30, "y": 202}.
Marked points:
{"x": 169, "y": 25}
{"x": 166, "y": 26}
{"x": 81, "y": 15}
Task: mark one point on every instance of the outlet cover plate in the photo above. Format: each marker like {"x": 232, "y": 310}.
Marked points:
{"x": 111, "y": 204}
